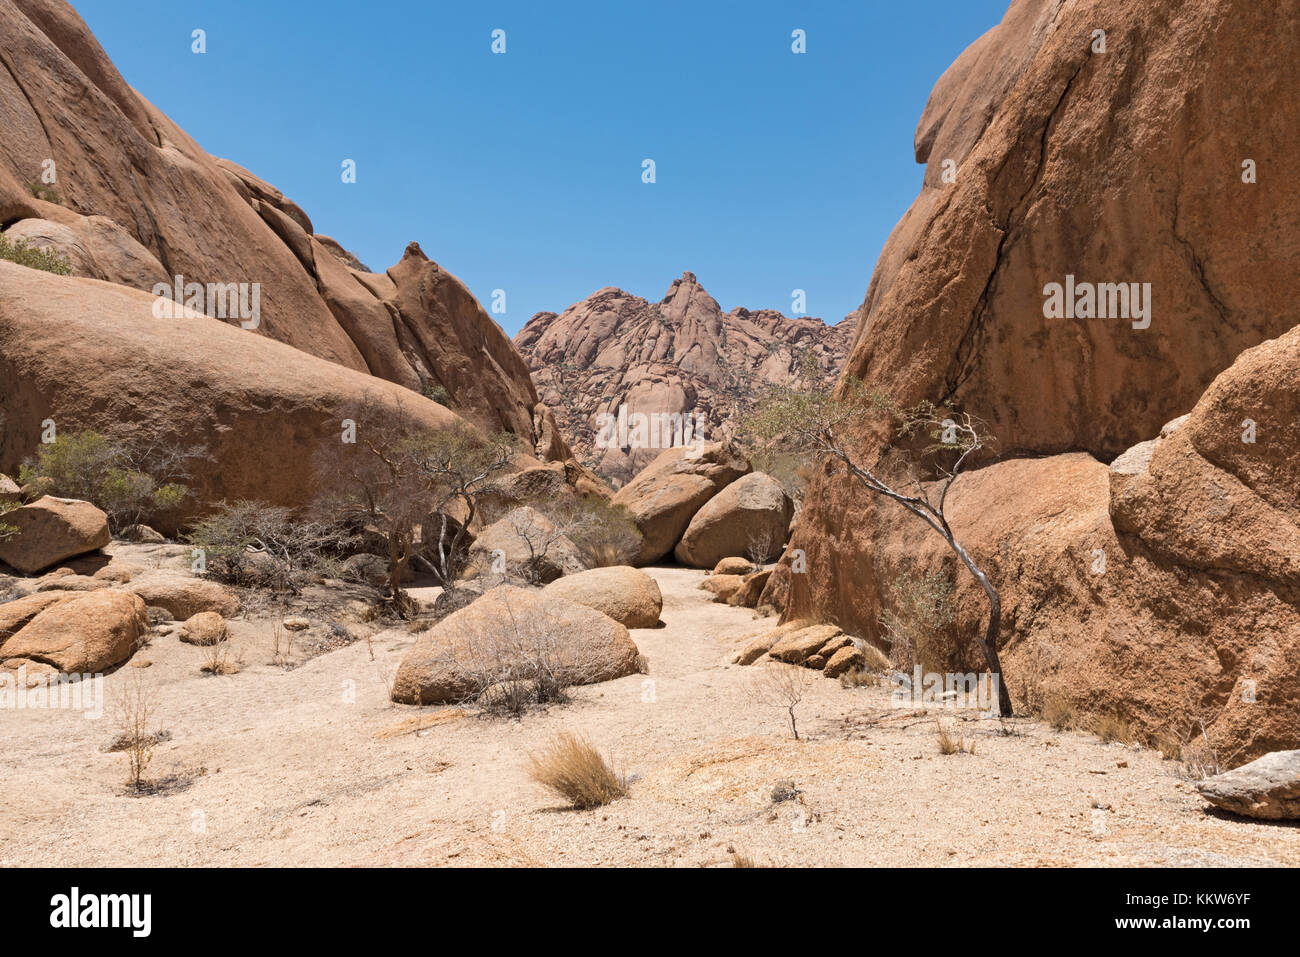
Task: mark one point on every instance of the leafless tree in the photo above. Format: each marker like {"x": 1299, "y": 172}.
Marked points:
{"x": 762, "y": 544}
{"x": 818, "y": 422}
{"x": 784, "y": 686}
{"x": 399, "y": 477}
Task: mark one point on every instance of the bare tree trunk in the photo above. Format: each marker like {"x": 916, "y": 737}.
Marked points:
{"x": 994, "y": 627}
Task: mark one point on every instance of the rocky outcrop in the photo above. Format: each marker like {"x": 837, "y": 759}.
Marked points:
{"x": 748, "y": 517}
{"x": 185, "y": 596}
{"x": 1078, "y": 166}
{"x": 513, "y": 634}
{"x": 51, "y": 529}
{"x": 136, "y": 202}
{"x": 820, "y": 647}
{"x": 682, "y": 356}
{"x": 628, "y": 595}
{"x": 665, "y": 496}
{"x": 92, "y": 355}
{"x": 1267, "y": 788}
{"x": 1028, "y": 116}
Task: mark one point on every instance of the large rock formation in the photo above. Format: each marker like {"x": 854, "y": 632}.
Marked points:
{"x": 88, "y": 354}
{"x": 748, "y": 517}
{"x": 83, "y": 633}
{"x": 136, "y": 202}
{"x": 1115, "y": 160}
{"x": 1268, "y": 788}
{"x": 628, "y": 595}
{"x": 667, "y": 493}
{"x": 513, "y": 634}
{"x": 679, "y": 356}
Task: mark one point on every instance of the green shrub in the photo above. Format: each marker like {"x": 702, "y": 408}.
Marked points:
{"x": 25, "y": 254}
{"x": 41, "y": 191}
{"x": 130, "y": 485}
{"x": 436, "y": 392}
{"x": 7, "y": 531}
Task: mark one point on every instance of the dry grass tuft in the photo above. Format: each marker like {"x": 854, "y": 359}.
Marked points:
{"x": 1112, "y": 728}
{"x": 137, "y": 735}
{"x": 1059, "y": 714}
{"x": 572, "y": 767}
{"x": 950, "y": 743}
{"x": 741, "y": 859}
{"x": 220, "y": 659}
{"x": 1169, "y": 746}
{"x": 1200, "y": 759}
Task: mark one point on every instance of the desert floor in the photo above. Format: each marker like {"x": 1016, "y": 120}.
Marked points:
{"x": 313, "y": 765}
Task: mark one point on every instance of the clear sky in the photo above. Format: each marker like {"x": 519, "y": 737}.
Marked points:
{"x": 522, "y": 171}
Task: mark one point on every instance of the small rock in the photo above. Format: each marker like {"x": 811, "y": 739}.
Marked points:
{"x": 296, "y": 624}
{"x": 784, "y": 791}
{"x": 205, "y": 628}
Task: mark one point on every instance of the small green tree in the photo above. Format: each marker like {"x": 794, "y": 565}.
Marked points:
{"x": 7, "y": 530}
{"x": 924, "y": 607}
{"x": 130, "y": 482}
{"x": 817, "y": 421}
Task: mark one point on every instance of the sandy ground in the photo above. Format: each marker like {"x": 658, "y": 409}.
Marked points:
{"x": 314, "y": 766}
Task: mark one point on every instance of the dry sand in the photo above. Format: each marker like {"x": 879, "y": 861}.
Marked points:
{"x": 314, "y": 766}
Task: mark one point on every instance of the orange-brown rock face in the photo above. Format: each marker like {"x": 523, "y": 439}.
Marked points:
{"x": 1123, "y": 166}
{"x": 680, "y": 356}
{"x": 1131, "y": 164}
{"x": 89, "y": 354}
{"x": 137, "y": 202}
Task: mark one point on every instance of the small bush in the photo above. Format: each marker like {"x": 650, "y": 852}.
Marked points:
{"x": 605, "y": 534}
{"x": 34, "y": 257}
{"x": 1169, "y": 746}
{"x": 1200, "y": 759}
{"x": 7, "y": 530}
{"x": 137, "y": 737}
{"x": 255, "y": 544}
{"x": 43, "y": 192}
{"x": 437, "y": 393}
{"x": 573, "y": 768}
{"x": 1059, "y": 714}
{"x": 220, "y": 659}
{"x": 130, "y": 483}
{"x": 923, "y": 610}
{"x": 783, "y": 686}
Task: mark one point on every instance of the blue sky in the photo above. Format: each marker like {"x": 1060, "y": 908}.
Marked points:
{"x": 523, "y": 171}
